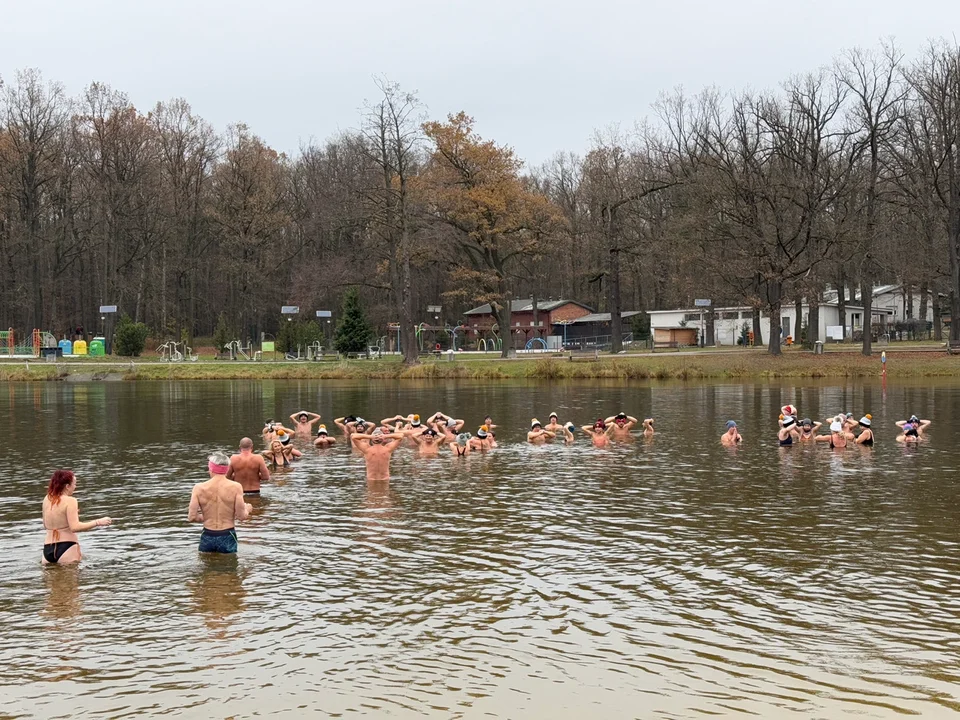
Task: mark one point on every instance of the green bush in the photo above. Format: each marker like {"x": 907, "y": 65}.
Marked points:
{"x": 298, "y": 333}
{"x": 353, "y": 332}
{"x": 130, "y": 338}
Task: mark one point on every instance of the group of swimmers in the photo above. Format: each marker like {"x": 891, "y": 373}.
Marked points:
{"x": 218, "y": 503}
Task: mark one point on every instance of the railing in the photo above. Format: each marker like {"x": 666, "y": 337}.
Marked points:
{"x": 598, "y": 342}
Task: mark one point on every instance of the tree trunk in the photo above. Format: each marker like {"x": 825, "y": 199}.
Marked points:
{"x": 757, "y": 332}
{"x": 774, "y": 302}
{"x": 866, "y": 298}
{"x": 813, "y": 319}
{"x": 908, "y": 302}
{"x": 711, "y": 327}
{"x": 616, "y": 324}
{"x": 924, "y": 299}
{"x": 937, "y": 322}
{"x": 798, "y": 321}
{"x": 953, "y": 240}
{"x": 502, "y": 313}
{"x": 842, "y": 302}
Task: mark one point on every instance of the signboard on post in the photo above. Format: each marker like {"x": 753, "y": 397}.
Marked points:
{"x": 108, "y": 311}
{"x": 702, "y": 303}
{"x": 435, "y": 309}
{"x": 324, "y": 314}
{"x": 290, "y": 310}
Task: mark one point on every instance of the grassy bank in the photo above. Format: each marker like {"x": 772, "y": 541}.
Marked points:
{"x": 681, "y": 366}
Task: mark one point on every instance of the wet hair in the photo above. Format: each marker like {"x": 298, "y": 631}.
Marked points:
{"x": 219, "y": 458}
{"x": 58, "y": 483}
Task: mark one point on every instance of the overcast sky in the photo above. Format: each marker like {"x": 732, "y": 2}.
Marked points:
{"x": 540, "y": 75}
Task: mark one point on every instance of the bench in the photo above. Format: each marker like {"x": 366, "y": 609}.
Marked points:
{"x": 953, "y": 347}
{"x": 585, "y": 355}
{"x": 666, "y": 345}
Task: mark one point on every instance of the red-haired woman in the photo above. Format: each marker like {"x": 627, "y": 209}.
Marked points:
{"x": 61, "y": 518}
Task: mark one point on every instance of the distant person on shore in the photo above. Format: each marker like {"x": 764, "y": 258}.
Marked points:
{"x": 807, "y": 432}
{"x": 837, "y": 437}
{"x": 622, "y": 424}
{"x": 865, "y": 437}
{"x": 218, "y": 504}
{"x": 248, "y": 468}
{"x": 731, "y": 438}
{"x": 323, "y": 439}
{"x": 377, "y": 448}
{"x": 537, "y": 435}
{"x": 303, "y": 423}
{"x": 917, "y": 424}
{"x": 61, "y": 520}
{"x": 599, "y": 433}
{"x": 788, "y": 431}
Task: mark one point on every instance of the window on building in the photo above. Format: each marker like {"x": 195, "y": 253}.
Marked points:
{"x": 731, "y": 315}
{"x": 692, "y": 317}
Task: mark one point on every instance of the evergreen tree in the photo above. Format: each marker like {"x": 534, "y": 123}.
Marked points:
{"x": 353, "y": 332}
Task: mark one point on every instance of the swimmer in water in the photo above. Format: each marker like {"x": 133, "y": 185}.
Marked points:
{"x": 248, "y": 468}
{"x": 275, "y": 455}
{"x": 377, "y": 448}
{"x": 648, "y": 427}
{"x": 553, "y": 423}
{"x": 731, "y": 437}
{"x": 918, "y": 424}
{"x": 347, "y": 425}
{"x": 323, "y": 439}
{"x": 452, "y": 425}
{"x": 910, "y": 435}
{"x": 218, "y": 504}
{"x": 428, "y": 442}
{"x": 303, "y": 423}
{"x": 537, "y": 435}
{"x": 269, "y": 431}
{"x": 786, "y": 410}
{"x": 488, "y": 421}
{"x": 788, "y": 431}
{"x": 865, "y": 437}
{"x": 808, "y": 430}
{"x": 850, "y": 424}
{"x": 568, "y": 436}
{"x": 61, "y": 520}
{"x": 599, "y": 432}
{"x": 621, "y": 425}
{"x": 484, "y": 439}
{"x": 289, "y": 450}
{"x": 837, "y": 437}
{"x": 462, "y": 445}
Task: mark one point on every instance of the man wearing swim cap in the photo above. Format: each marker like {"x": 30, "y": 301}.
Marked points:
{"x": 248, "y": 468}
{"x": 599, "y": 432}
{"x": 303, "y": 423}
{"x": 621, "y": 424}
{"x": 537, "y": 435}
{"x": 323, "y": 439}
{"x": 732, "y": 436}
{"x": 377, "y": 448}
{"x": 218, "y": 504}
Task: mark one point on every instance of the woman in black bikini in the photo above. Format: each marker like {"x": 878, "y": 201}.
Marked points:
{"x": 61, "y": 519}
{"x": 276, "y": 455}
{"x": 865, "y": 437}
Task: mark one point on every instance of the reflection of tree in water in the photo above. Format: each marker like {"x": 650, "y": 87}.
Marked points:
{"x": 63, "y": 590}
{"x": 217, "y": 589}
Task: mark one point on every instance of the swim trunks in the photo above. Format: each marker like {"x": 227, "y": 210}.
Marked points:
{"x": 218, "y": 541}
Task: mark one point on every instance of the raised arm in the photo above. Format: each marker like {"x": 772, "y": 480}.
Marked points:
{"x": 901, "y": 423}
{"x": 73, "y": 519}
{"x": 924, "y": 424}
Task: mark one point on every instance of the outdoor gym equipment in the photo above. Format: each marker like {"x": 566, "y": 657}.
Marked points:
{"x": 172, "y": 351}
{"x": 237, "y": 351}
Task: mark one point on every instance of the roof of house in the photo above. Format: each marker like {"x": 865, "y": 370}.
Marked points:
{"x": 599, "y": 317}
{"x": 527, "y": 306}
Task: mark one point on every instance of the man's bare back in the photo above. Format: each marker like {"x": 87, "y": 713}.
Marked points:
{"x": 218, "y": 504}
{"x": 248, "y": 468}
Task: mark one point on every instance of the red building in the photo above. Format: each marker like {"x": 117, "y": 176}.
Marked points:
{"x": 480, "y": 321}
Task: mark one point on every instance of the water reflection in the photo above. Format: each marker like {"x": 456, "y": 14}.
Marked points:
{"x": 63, "y": 591}
{"x": 217, "y": 591}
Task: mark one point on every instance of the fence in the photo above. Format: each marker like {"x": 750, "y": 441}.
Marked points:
{"x": 600, "y": 342}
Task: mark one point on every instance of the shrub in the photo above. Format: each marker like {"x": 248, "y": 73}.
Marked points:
{"x": 353, "y": 332}
{"x": 130, "y": 338}
{"x": 299, "y": 334}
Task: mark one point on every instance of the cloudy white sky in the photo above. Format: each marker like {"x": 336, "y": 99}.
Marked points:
{"x": 540, "y": 75}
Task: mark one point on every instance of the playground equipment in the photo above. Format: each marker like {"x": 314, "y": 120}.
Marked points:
{"x": 42, "y": 340}
{"x": 171, "y": 351}
{"x": 494, "y": 343}
{"x": 531, "y": 341}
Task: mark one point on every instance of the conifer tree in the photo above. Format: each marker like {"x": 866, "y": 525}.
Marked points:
{"x": 353, "y": 332}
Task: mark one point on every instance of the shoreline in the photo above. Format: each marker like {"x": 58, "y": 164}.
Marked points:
{"x": 748, "y": 364}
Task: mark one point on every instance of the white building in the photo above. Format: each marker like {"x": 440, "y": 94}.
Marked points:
{"x": 893, "y": 300}
{"x": 729, "y": 321}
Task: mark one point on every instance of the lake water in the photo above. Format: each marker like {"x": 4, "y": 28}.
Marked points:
{"x": 665, "y": 578}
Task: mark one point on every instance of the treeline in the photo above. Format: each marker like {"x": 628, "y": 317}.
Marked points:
{"x": 847, "y": 177}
